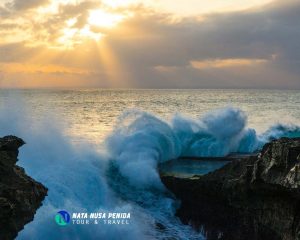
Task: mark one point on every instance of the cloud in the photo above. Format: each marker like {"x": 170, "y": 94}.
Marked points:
{"x": 80, "y": 11}
{"x": 40, "y": 68}
{"x": 27, "y": 4}
{"x": 226, "y": 63}
{"x": 254, "y": 48}
{"x": 257, "y": 46}
{"x": 4, "y": 12}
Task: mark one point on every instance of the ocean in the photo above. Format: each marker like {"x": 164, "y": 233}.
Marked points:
{"x": 97, "y": 150}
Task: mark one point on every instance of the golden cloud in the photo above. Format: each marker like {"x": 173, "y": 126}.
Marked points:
{"x": 35, "y": 68}
{"x": 227, "y": 63}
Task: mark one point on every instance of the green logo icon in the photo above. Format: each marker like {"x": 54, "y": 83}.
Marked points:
{"x": 62, "y": 218}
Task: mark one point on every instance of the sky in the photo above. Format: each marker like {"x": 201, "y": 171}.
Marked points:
{"x": 150, "y": 44}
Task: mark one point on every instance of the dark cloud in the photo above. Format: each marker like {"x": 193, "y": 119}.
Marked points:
{"x": 4, "y": 12}
{"x": 27, "y": 4}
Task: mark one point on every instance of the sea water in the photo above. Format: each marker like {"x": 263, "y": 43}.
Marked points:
{"x": 98, "y": 150}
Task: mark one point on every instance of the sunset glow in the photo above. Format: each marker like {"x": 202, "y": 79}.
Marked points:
{"x": 146, "y": 43}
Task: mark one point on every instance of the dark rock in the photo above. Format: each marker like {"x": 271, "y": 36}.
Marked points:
{"x": 248, "y": 199}
{"x": 20, "y": 195}
{"x": 11, "y": 143}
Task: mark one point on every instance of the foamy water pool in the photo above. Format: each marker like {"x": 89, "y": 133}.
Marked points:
{"x": 186, "y": 168}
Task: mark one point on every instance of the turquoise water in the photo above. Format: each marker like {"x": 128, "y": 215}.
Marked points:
{"x": 186, "y": 168}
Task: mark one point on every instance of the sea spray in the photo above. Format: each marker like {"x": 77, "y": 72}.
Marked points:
{"x": 80, "y": 180}
{"x": 224, "y": 131}
{"x": 75, "y": 176}
{"x": 139, "y": 142}
{"x": 217, "y": 133}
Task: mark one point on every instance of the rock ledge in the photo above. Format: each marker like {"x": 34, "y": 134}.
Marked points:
{"x": 20, "y": 195}
{"x": 248, "y": 199}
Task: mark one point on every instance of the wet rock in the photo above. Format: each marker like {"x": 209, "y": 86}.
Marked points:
{"x": 248, "y": 199}
{"x": 20, "y": 195}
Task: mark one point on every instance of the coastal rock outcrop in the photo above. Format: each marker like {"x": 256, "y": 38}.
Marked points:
{"x": 248, "y": 199}
{"x": 20, "y": 195}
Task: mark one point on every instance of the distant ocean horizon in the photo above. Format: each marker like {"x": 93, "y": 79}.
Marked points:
{"x": 92, "y": 112}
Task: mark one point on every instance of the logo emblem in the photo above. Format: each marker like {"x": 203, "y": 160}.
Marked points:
{"x": 62, "y": 218}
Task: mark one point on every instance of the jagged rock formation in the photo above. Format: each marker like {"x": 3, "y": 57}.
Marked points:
{"x": 248, "y": 199}
{"x": 20, "y": 195}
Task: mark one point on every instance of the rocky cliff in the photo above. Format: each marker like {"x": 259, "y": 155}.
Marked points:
{"x": 248, "y": 199}
{"x": 20, "y": 195}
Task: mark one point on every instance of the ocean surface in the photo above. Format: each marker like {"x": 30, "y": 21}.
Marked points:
{"x": 98, "y": 150}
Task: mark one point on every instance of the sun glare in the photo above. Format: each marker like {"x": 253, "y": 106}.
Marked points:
{"x": 119, "y": 3}
{"x": 72, "y": 36}
{"x": 104, "y": 19}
